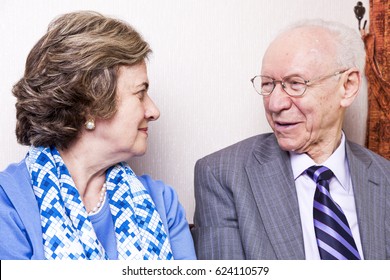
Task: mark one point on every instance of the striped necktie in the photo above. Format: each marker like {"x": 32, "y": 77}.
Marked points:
{"x": 334, "y": 236}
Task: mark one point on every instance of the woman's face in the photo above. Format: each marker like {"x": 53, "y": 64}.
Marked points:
{"x": 126, "y": 133}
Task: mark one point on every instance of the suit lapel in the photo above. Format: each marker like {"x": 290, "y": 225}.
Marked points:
{"x": 273, "y": 187}
{"x": 370, "y": 199}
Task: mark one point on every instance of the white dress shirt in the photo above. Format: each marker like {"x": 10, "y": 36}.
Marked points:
{"x": 341, "y": 190}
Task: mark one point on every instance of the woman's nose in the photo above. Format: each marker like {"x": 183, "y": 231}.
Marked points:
{"x": 152, "y": 113}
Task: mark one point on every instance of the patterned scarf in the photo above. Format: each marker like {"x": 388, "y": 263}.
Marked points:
{"x": 68, "y": 232}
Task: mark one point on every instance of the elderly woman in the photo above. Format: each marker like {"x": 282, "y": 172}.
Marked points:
{"x": 83, "y": 108}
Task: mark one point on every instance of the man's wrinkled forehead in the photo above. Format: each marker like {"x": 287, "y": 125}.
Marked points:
{"x": 312, "y": 45}
{"x": 310, "y": 37}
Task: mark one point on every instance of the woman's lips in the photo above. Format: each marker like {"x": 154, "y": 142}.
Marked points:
{"x": 144, "y": 129}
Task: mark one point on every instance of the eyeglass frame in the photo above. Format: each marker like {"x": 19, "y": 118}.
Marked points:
{"x": 306, "y": 82}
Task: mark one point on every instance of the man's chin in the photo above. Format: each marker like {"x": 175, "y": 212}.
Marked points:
{"x": 289, "y": 145}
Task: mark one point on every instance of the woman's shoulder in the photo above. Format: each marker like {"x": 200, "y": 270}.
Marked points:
{"x": 13, "y": 175}
{"x": 16, "y": 189}
{"x": 20, "y": 214}
{"x": 158, "y": 189}
{"x": 13, "y": 182}
{"x": 173, "y": 216}
{"x": 164, "y": 197}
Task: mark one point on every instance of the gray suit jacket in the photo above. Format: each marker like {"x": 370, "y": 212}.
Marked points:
{"x": 247, "y": 205}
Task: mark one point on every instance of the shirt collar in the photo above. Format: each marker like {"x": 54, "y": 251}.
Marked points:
{"x": 337, "y": 162}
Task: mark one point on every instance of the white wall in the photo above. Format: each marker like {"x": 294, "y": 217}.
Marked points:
{"x": 205, "y": 53}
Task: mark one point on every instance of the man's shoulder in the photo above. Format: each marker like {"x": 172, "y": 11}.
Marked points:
{"x": 366, "y": 154}
{"x": 369, "y": 159}
{"x": 242, "y": 149}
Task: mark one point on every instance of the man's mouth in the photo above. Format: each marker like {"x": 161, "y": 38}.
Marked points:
{"x": 284, "y": 125}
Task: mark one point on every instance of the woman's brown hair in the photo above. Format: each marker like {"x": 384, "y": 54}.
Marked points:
{"x": 71, "y": 74}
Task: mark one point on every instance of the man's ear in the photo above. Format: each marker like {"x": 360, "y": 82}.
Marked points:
{"x": 352, "y": 82}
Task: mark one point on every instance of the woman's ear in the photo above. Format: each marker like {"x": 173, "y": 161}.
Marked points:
{"x": 352, "y": 81}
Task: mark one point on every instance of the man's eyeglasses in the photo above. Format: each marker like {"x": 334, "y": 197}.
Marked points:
{"x": 292, "y": 85}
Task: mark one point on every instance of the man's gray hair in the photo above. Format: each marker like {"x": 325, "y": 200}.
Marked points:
{"x": 349, "y": 44}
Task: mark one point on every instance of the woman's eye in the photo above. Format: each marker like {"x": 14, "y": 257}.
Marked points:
{"x": 141, "y": 94}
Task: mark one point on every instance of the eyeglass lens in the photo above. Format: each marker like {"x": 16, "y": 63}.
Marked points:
{"x": 293, "y": 85}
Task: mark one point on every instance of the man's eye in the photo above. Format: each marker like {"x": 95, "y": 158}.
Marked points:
{"x": 296, "y": 83}
{"x": 267, "y": 84}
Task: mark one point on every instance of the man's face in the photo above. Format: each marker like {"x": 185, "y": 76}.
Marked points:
{"x": 311, "y": 122}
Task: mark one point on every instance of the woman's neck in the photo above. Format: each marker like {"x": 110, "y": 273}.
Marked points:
{"x": 87, "y": 168}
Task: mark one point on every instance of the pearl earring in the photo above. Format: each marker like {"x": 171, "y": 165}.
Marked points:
{"x": 90, "y": 124}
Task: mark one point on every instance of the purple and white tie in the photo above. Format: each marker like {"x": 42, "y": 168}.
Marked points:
{"x": 334, "y": 236}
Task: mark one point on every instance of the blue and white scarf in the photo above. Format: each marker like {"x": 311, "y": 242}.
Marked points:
{"x": 68, "y": 232}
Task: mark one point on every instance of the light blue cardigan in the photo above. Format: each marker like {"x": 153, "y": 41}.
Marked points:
{"x": 20, "y": 226}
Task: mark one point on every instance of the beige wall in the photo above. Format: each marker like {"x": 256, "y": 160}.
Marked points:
{"x": 205, "y": 52}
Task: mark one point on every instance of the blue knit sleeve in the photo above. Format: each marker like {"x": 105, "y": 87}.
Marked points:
{"x": 20, "y": 226}
{"x": 14, "y": 242}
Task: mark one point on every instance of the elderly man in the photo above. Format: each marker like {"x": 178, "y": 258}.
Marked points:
{"x": 304, "y": 191}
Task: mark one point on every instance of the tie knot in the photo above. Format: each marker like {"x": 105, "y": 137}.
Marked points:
{"x": 318, "y": 173}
